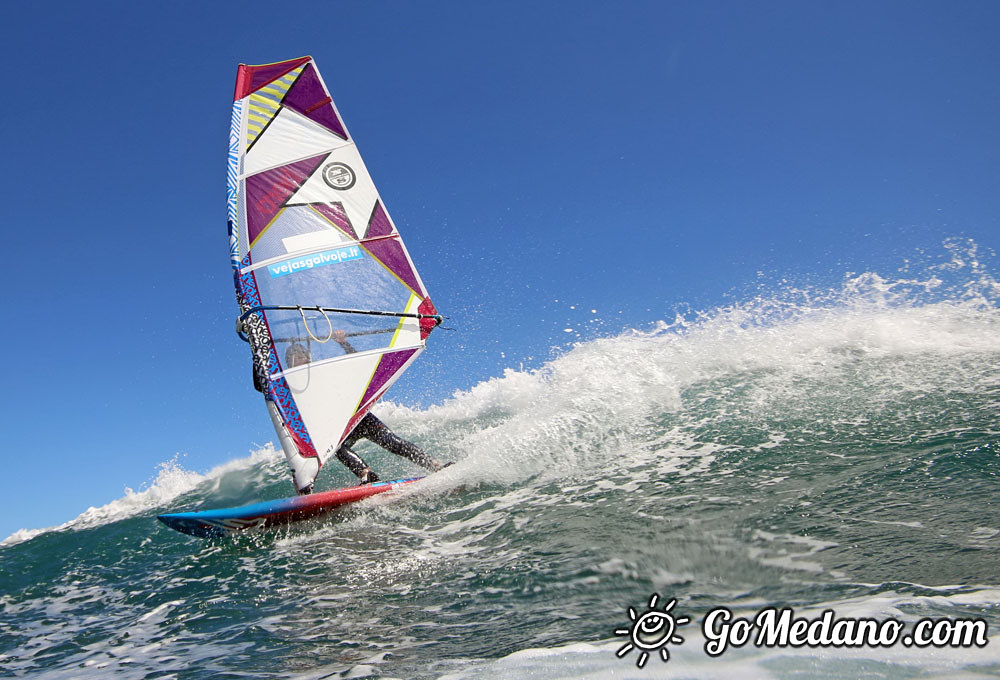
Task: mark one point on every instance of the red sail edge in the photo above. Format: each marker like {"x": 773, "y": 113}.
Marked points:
{"x": 249, "y": 79}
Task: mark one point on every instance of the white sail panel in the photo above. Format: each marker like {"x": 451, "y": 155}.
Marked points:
{"x": 324, "y": 405}
{"x": 289, "y": 137}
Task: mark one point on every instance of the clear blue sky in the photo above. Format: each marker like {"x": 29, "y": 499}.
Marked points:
{"x": 625, "y": 157}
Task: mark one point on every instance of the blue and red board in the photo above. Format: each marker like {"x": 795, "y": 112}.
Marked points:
{"x": 224, "y": 521}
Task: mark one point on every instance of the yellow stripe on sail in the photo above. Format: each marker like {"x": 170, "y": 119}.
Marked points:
{"x": 266, "y": 102}
{"x": 410, "y": 308}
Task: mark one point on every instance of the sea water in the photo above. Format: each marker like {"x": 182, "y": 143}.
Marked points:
{"x": 804, "y": 449}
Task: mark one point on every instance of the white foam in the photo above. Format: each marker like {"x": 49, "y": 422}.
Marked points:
{"x": 171, "y": 481}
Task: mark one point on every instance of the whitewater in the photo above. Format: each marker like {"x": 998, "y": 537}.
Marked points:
{"x": 806, "y": 448}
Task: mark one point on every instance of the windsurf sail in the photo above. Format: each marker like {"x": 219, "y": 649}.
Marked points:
{"x": 314, "y": 252}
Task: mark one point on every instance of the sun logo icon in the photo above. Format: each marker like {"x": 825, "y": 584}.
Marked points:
{"x": 651, "y": 631}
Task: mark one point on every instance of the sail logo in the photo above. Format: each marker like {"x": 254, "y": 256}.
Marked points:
{"x": 339, "y": 176}
{"x": 314, "y": 260}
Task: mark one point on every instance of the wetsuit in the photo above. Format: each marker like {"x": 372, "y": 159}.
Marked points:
{"x": 373, "y": 429}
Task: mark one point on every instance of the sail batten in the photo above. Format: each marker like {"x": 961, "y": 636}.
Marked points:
{"x": 309, "y": 231}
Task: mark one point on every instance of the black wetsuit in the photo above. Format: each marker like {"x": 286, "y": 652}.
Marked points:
{"x": 373, "y": 429}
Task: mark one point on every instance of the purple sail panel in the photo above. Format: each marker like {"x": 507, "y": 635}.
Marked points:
{"x": 387, "y": 367}
{"x": 389, "y": 251}
{"x": 267, "y": 192}
{"x": 335, "y": 215}
{"x": 308, "y": 97}
{"x": 378, "y": 223}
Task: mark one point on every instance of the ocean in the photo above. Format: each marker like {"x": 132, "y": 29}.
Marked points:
{"x": 801, "y": 449}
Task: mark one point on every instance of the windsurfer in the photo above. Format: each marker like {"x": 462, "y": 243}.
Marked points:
{"x": 369, "y": 427}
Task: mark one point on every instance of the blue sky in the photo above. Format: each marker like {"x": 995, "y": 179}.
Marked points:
{"x": 625, "y": 157}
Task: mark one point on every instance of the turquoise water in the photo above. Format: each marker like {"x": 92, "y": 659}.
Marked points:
{"x": 836, "y": 450}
